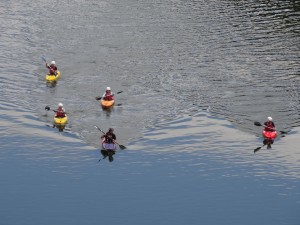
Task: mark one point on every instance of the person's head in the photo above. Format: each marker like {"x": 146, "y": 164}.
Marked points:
{"x": 108, "y": 90}
{"x": 270, "y": 118}
{"x": 60, "y": 105}
{"x": 52, "y": 62}
{"x": 111, "y": 130}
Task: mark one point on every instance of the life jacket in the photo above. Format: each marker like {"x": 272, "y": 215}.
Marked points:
{"x": 108, "y": 97}
{"x": 109, "y": 138}
{"x": 52, "y": 69}
{"x": 270, "y": 126}
{"x": 60, "y": 113}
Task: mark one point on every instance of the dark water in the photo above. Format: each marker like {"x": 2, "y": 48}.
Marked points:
{"x": 195, "y": 75}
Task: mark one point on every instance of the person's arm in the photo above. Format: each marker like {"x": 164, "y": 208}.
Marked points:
{"x": 273, "y": 124}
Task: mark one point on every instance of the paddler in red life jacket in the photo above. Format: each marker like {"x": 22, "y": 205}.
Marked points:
{"x": 109, "y": 137}
{"x": 269, "y": 124}
{"x": 108, "y": 95}
{"x": 60, "y": 112}
{"x": 52, "y": 68}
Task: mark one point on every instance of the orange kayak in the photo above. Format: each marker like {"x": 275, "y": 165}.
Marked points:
{"x": 106, "y": 103}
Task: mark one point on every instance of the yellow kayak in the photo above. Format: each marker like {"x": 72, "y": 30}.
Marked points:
{"x": 106, "y": 103}
{"x": 50, "y": 77}
{"x": 60, "y": 120}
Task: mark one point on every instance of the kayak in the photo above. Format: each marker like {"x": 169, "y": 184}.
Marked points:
{"x": 108, "y": 146}
{"x": 269, "y": 134}
{"x": 60, "y": 120}
{"x": 107, "y": 103}
{"x": 50, "y": 77}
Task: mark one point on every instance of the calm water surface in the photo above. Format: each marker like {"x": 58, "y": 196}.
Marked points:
{"x": 195, "y": 75}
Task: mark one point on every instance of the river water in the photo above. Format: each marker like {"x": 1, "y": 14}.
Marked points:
{"x": 195, "y": 76}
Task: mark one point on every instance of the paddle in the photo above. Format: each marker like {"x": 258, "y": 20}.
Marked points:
{"x": 259, "y": 124}
{"x": 48, "y": 108}
{"x": 44, "y": 59}
{"x": 99, "y": 98}
{"x": 121, "y": 146}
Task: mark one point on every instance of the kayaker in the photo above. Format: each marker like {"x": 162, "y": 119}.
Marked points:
{"x": 109, "y": 137}
{"x": 60, "y": 112}
{"x": 108, "y": 95}
{"x": 52, "y": 68}
{"x": 269, "y": 124}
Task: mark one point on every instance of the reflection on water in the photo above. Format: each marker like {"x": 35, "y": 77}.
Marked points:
{"x": 197, "y": 169}
{"x": 204, "y": 136}
{"x": 268, "y": 143}
{"x": 51, "y": 84}
{"x": 239, "y": 60}
{"x": 108, "y": 154}
{"x": 59, "y": 127}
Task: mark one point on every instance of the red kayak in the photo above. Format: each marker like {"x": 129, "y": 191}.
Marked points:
{"x": 269, "y": 134}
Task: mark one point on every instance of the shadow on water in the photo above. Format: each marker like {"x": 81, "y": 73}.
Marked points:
{"x": 108, "y": 111}
{"x": 60, "y": 127}
{"x": 108, "y": 154}
{"x": 51, "y": 84}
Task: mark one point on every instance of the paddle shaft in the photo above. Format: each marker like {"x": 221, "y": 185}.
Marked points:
{"x": 262, "y": 125}
{"x": 99, "y": 98}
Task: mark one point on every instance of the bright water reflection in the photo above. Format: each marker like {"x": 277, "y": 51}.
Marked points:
{"x": 178, "y": 173}
{"x": 201, "y": 135}
{"x": 239, "y": 60}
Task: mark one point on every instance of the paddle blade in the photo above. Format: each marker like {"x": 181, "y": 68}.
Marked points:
{"x": 122, "y": 147}
{"x": 43, "y": 58}
{"x": 119, "y": 92}
{"x": 257, "y": 123}
{"x": 47, "y": 108}
{"x": 98, "y": 98}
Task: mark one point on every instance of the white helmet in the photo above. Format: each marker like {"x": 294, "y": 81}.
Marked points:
{"x": 60, "y": 105}
{"x": 270, "y": 118}
{"x": 108, "y": 89}
{"x": 52, "y": 62}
